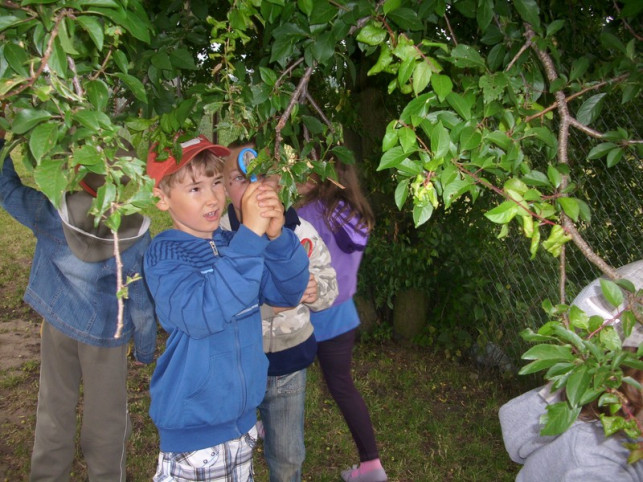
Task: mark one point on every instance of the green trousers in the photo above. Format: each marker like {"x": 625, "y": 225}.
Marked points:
{"x": 105, "y": 425}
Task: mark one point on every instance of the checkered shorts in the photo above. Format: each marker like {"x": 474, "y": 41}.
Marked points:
{"x": 227, "y": 462}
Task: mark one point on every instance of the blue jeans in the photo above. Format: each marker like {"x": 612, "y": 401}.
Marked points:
{"x": 282, "y": 413}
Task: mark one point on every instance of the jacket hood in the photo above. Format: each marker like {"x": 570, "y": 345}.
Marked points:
{"x": 92, "y": 243}
{"x": 520, "y": 422}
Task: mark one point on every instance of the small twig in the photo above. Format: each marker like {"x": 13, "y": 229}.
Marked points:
{"x": 103, "y": 66}
{"x": 524, "y": 47}
{"x": 288, "y": 71}
{"x": 577, "y": 94}
{"x": 455, "y": 40}
{"x": 627, "y": 25}
{"x": 75, "y": 81}
{"x": 312, "y": 102}
{"x": 500, "y": 192}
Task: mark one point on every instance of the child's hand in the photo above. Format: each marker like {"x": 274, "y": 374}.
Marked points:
{"x": 251, "y": 211}
{"x": 310, "y": 295}
{"x": 272, "y": 209}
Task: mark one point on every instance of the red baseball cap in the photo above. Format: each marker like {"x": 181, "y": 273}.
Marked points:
{"x": 157, "y": 170}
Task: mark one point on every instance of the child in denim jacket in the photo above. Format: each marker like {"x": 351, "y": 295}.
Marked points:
{"x": 73, "y": 286}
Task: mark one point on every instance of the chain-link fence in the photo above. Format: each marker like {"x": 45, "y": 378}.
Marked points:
{"x": 517, "y": 285}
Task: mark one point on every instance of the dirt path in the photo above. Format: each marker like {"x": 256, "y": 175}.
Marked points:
{"x": 19, "y": 343}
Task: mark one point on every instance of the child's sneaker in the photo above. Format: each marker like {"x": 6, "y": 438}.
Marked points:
{"x": 353, "y": 475}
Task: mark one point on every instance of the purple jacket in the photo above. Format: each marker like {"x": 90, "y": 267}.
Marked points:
{"x": 346, "y": 245}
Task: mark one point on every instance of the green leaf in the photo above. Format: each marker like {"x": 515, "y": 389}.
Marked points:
{"x": 390, "y": 5}
{"x": 134, "y": 85}
{"x": 392, "y": 158}
{"x": 577, "y": 384}
{"x": 554, "y": 175}
{"x": 614, "y": 156}
{"x": 579, "y": 67}
{"x": 42, "y": 139}
{"x": 390, "y": 137}
{"x": 611, "y": 292}
{"x": 323, "y": 48}
{"x": 465, "y": 56}
{"x": 16, "y": 57}
{"x": 549, "y": 352}
{"x": 401, "y": 193}
{"x": 460, "y": 105}
{"x": 440, "y": 141}
{"x": 578, "y": 318}
{"x": 51, "y": 179}
{"x": 554, "y": 27}
{"x": 421, "y": 77}
{"x": 590, "y": 109}
{"x": 182, "y": 59}
{"x": 26, "y": 119}
{"x": 500, "y": 139}
{"x": 93, "y": 28}
{"x": 557, "y": 238}
{"x": 7, "y": 21}
{"x": 383, "y": 61}
{"x": 536, "y": 178}
{"x": 503, "y": 213}
{"x": 421, "y": 214}
{"x": 66, "y": 42}
{"x": 88, "y": 119}
{"x": 121, "y": 61}
{"x": 305, "y": 6}
{"x": 528, "y": 11}
{"x": 87, "y": 155}
{"x": 484, "y": 14}
{"x": 470, "y": 138}
{"x": 600, "y": 150}
{"x": 442, "y": 85}
{"x": 372, "y": 34}
{"x": 536, "y": 366}
{"x": 98, "y": 94}
{"x": 558, "y": 418}
{"x": 571, "y": 207}
{"x": 407, "y": 139}
{"x": 609, "y": 338}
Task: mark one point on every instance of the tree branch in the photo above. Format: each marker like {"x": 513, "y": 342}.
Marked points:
{"x": 301, "y": 88}
{"x": 43, "y": 60}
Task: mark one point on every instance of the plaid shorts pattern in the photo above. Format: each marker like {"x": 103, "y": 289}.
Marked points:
{"x": 227, "y": 462}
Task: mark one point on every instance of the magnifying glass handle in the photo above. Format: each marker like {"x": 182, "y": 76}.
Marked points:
{"x": 246, "y": 156}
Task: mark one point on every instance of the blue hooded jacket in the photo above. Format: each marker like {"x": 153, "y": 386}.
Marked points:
{"x": 213, "y": 373}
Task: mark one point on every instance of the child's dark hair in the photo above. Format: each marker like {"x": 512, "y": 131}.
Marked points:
{"x": 205, "y": 162}
{"x": 355, "y": 203}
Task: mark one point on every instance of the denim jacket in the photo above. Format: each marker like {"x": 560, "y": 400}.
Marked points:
{"x": 76, "y": 297}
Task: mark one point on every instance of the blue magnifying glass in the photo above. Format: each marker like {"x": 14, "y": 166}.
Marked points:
{"x": 246, "y": 156}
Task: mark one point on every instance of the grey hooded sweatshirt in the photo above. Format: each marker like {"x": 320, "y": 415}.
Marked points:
{"x": 581, "y": 454}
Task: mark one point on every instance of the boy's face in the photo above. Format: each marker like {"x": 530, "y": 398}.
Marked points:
{"x": 235, "y": 181}
{"x": 195, "y": 203}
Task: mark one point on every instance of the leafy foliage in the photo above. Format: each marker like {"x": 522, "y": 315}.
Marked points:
{"x": 486, "y": 93}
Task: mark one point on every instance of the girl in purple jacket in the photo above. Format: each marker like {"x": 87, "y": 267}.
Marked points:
{"x": 344, "y": 220}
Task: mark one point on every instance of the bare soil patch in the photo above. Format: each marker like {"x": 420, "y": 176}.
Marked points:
{"x": 19, "y": 343}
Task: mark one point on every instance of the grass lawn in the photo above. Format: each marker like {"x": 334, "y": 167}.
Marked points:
{"x": 435, "y": 419}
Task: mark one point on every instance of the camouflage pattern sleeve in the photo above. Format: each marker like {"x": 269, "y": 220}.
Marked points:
{"x": 320, "y": 267}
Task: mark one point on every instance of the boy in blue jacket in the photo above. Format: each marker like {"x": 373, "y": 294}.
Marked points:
{"x": 73, "y": 287}
{"x": 207, "y": 285}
